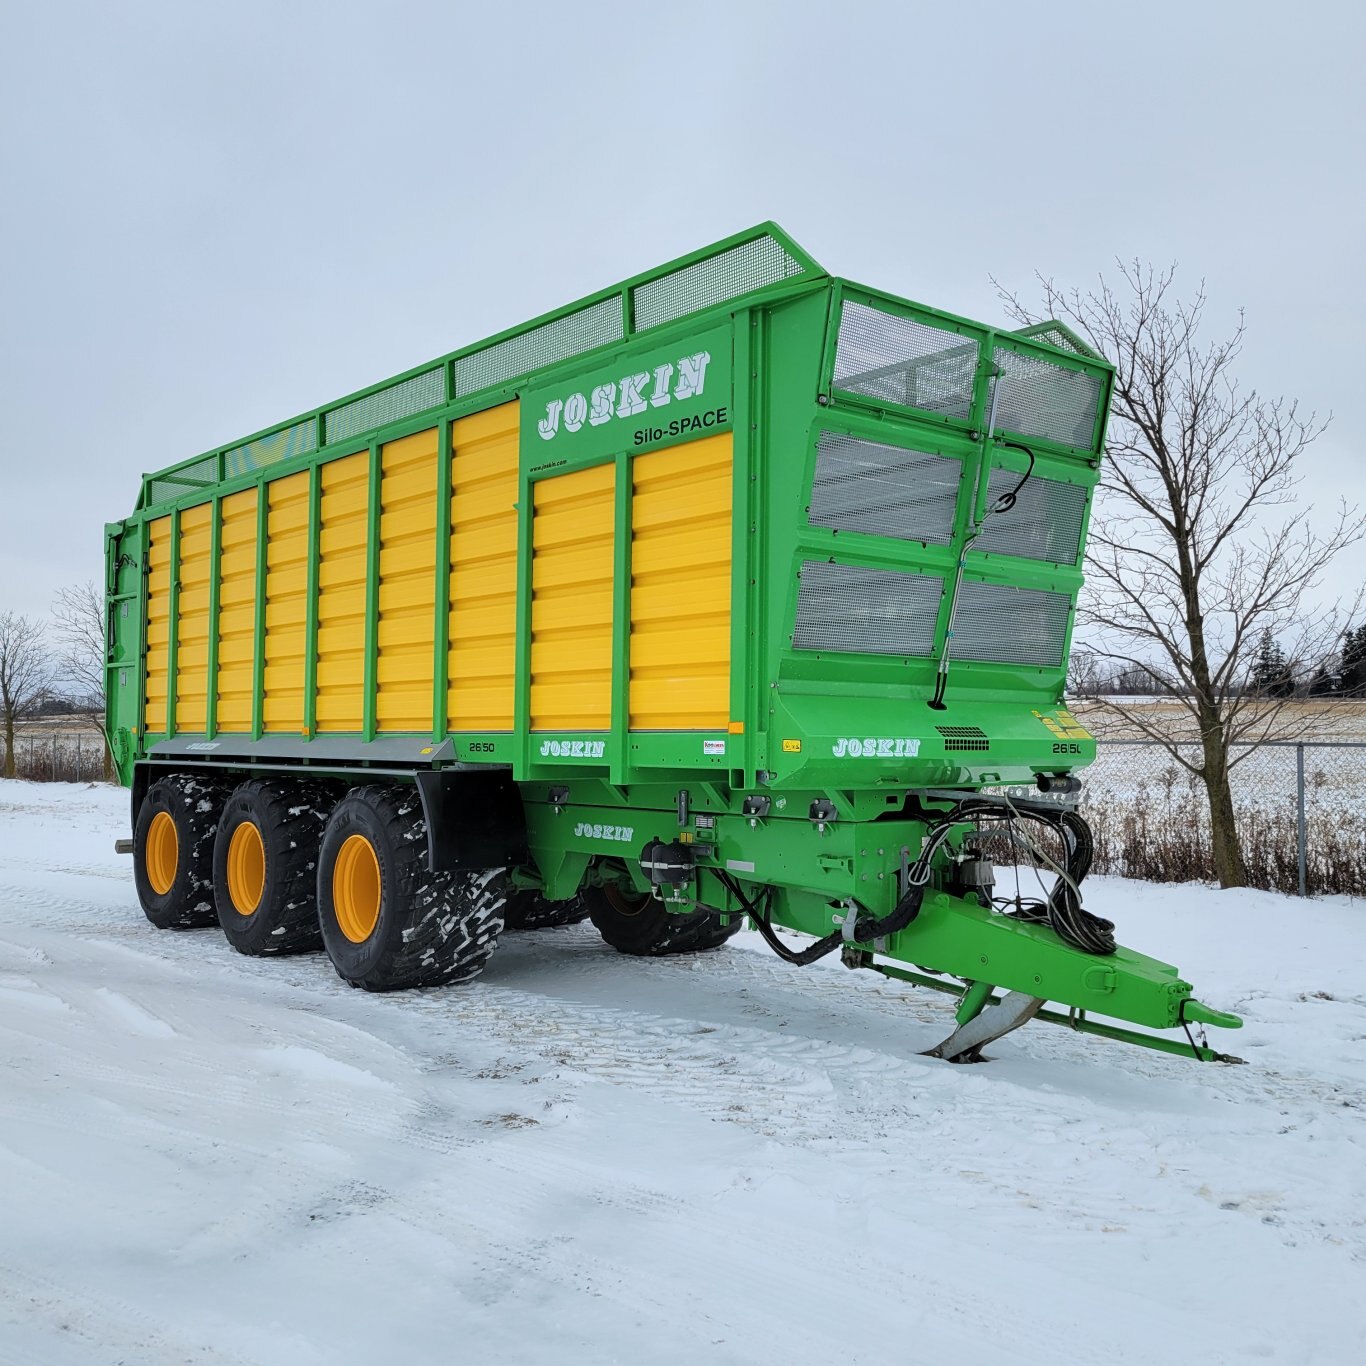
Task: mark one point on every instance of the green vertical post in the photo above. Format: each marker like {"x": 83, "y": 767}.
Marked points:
{"x": 211, "y": 682}
{"x": 173, "y": 625}
{"x": 315, "y": 485}
{"x": 746, "y": 590}
{"x": 441, "y": 622}
{"x": 371, "y": 595}
{"x": 258, "y": 657}
{"x": 521, "y": 696}
{"x": 619, "y": 738}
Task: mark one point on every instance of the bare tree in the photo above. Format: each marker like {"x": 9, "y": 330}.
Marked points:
{"x": 1197, "y": 545}
{"x": 25, "y": 675}
{"x": 78, "y": 616}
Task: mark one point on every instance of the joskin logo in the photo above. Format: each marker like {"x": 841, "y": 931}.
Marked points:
{"x": 875, "y": 747}
{"x": 573, "y": 749}
{"x": 620, "y": 833}
{"x": 628, "y": 396}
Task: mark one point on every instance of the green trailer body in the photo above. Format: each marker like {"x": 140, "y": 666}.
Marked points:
{"x": 736, "y": 586}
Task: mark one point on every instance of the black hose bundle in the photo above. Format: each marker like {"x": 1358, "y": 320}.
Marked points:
{"x": 1062, "y": 911}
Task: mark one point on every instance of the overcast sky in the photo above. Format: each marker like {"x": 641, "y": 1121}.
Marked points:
{"x": 212, "y": 217}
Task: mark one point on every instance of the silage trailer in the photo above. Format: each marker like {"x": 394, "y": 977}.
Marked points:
{"x": 736, "y": 591}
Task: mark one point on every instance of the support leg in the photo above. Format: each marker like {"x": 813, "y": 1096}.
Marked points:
{"x": 966, "y": 1042}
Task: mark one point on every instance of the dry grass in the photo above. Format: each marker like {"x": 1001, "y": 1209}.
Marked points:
{"x": 1336, "y": 719}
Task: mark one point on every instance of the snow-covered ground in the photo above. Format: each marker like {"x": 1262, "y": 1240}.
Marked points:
{"x": 588, "y": 1158}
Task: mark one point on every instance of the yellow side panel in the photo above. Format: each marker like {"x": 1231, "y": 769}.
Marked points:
{"x": 342, "y": 544}
{"x": 158, "y": 637}
{"x": 483, "y": 607}
{"x": 282, "y": 702}
{"x": 571, "y": 601}
{"x": 236, "y": 611}
{"x": 192, "y": 620}
{"x": 404, "y": 670}
{"x": 680, "y": 587}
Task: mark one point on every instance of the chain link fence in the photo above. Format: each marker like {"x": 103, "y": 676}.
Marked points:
{"x": 1300, "y": 810}
{"x": 70, "y": 756}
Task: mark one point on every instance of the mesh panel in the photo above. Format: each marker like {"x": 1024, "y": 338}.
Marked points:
{"x": 884, "y": 490}
{"x": 1044, "y": 524}
{"x": 750, "y": 266}
{"x": 1039, "y": 398}
{"x": 398, "y": 401}
{"x": 903, "y": 361}
{"x": 202, "y": 474}
{"x": 557, "y": 340}
{"x": 267, "y": 450}
{"x": 1056, "y": 335}
{"x": 866, "y": 611}
{"x": 1009, "y": 625}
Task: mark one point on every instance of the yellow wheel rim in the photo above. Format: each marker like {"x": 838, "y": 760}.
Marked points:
{"x": 246, "y": 868}
{"x": 356, "y": 888}
{"x": 161, "y": 853}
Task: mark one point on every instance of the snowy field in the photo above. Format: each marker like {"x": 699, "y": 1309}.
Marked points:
{"x": 587, "y": 1158}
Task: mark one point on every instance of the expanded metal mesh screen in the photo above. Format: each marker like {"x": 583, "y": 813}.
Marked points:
{"x": 1044, "y": 524}
{"x": 405, "y": 399}
{"x": 885, "y": 356}
{"x": 884, "y": 490}
{"x": 847, "y": 607}
{"x": 1056, "y": 335}
{"x": 727, "y": 275}
{"x": 299, "y": 439}
{"x": 203, "y": 474}
{"x": 1040, "y": 398}
{"x": 557, "y": 340}
{"x": 1009, "y": 625}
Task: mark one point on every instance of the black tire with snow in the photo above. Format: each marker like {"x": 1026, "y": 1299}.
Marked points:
{"x": 432, "y": 928}
{"x": 528, "y": 910}
{"x": 193, "y": 804}
{"x": 639, "y": 924}
{"x": 290, "y": 816}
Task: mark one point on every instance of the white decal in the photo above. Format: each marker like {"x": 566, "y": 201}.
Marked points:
{"x": 713, "y": 746}
{"x": 663, "y": 374}
{"x": 626, "y": 397}
{"x": 692, "y": 374}
{"x": 620, "y": 833}
{"x": 632, "y": 387}
{"x": 575, "y": 410}
{"x": 604, "y": 400}
{"x": 875, "y": 747}
{"x": 573, "y": 749}
{"x": 550, "y": 423}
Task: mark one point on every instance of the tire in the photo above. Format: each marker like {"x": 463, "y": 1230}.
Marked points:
{"x": 636, "y": 923}
{"x": 265, "y": 866}
{"x": 173, "y": 851}
{"x": 387, "y": 923}
{"x": 531, "y": 911}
